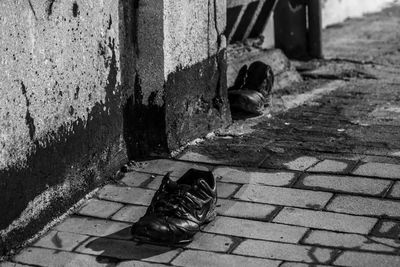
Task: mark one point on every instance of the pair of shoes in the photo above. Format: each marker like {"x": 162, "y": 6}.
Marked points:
{"x": 252, "y": 88}
{"x": 178, "y": 209}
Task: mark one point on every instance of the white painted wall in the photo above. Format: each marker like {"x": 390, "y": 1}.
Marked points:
{"x": 335, "y": 11}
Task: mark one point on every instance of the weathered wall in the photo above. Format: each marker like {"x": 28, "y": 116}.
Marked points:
{"x": 195, "y": 69}
{"x": 64, "y": 79}
{"x": 181, "y": 69}
{"x": 86, "y": 84}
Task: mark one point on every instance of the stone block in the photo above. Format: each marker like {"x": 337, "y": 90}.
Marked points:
{"x": 203, "y": 258}
{"x": 301, "y": 164}
{"x": 60, "y": 240}
{"x": 255, "y": 229}
{"x": 211, "y": 242}
{"x": 350, "y": 241}
{"x": 365, "y": 206}
{"x": 225, "y": 190}
{"x": 128, "y": 195}
{"x": 382, "y": 170}
{"x": 49, "y": 257}
{"x": 245, "y": 210}
{"x": 11, "y": 264}
{"x": 325, "y": 220}
{"x": 282, "y": 251}
{"x": 358, "y": 259}
{"x": 253, "y": 176}
{"x": 387, "y": 228}
{"x": 162, "y": 166}
{"x": 127, "y": 250}
{"x": 135, "y": 178}
{"x": 283, "y": 196}
{"x": 95, "y": 227}
{"x": 346, "y": 184}
{"x": 297, "y": 264}
{"x": 99, "y": 208}
{"x": 129, "y": 214}
{"x": 135, "y": 263}
{"x": 328, "y": 165}
{"x": 395, "y": 192}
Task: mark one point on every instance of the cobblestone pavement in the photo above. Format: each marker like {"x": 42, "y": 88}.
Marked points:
{"x": 317, "y": 185}
{"x": 318, "y": 210}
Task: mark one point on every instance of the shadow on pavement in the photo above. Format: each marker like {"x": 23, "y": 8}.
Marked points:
{"x": 126, "y": 249}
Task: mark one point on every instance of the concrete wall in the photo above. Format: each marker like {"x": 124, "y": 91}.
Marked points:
{"x": 335, "y": 11}
{"x": 180, "y": 91}
{"x": 64, "y": 80}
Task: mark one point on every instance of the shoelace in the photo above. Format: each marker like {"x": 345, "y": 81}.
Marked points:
{"x": 178, "y": 202}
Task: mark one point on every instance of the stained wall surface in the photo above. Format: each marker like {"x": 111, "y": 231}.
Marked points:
{"x": 181, "y": 73}
{"x": 62, "y": 93}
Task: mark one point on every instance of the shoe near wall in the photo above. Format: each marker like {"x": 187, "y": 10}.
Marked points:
{"x": 252, "y": 89}
{"x": 178, "y": 209}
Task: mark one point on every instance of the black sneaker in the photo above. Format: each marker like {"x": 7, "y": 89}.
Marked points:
{"x": 251, "y": 92}
{"x": 178, "y": 209}
{"x": 260, "y": 78}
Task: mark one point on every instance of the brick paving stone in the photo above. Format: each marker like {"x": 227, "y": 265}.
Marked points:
{"x": 162, "y": 166}
{"x": 203, "y": 258}
{"x": 351, "y": 241}
{"x": 95, "y": 227}
{"x": 346, "y": 184}
{"x": 129, "y": 195}
{"x": 329, "y": 165}
{"x": 225, "y": 190}
{"x": 387, "y": 228}
{"x": 395, "y": 192}
{"x": 99, "y": 208}
{"x": 246, "y": 210}
{"x": 381, "y": 159}
{"x": 297, "y": 264}
{"x": 60, "y": 240}
{"x": 51, "y": 258}
{"x": 252, "y": 176}
{"x": 326, "y": 220}
{"x": 127, "y": 250}
{"x": 211, "y": 242}
{"x": 156, "y": 182}
{"x": 382, "y": 170}
{"x": 12, "y": 264}
{"x": 135, "y": 263}
{"x": 349, "y": 258}
{"x": 283, "y": 196}
{"x": 129, "y": 214}
{"x": 301, "y": 164}
{"x": 135, "y": 178}
{"x": 365, "y": 206}
{"x": 255, "y": 229}
{"x": 281, "y": 251}
{"x": 197, "y": 157}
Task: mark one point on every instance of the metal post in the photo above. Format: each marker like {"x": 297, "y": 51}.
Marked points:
{"x": 291, "y": 28}
{"x": 314, "y": 29}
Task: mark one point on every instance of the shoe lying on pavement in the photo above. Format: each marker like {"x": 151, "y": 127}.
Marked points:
{"x": 252, "y": 89}
{"x": 178, "y": 209}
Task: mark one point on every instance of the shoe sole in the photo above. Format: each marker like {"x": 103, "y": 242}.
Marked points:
{"x": 144, "y": 239}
